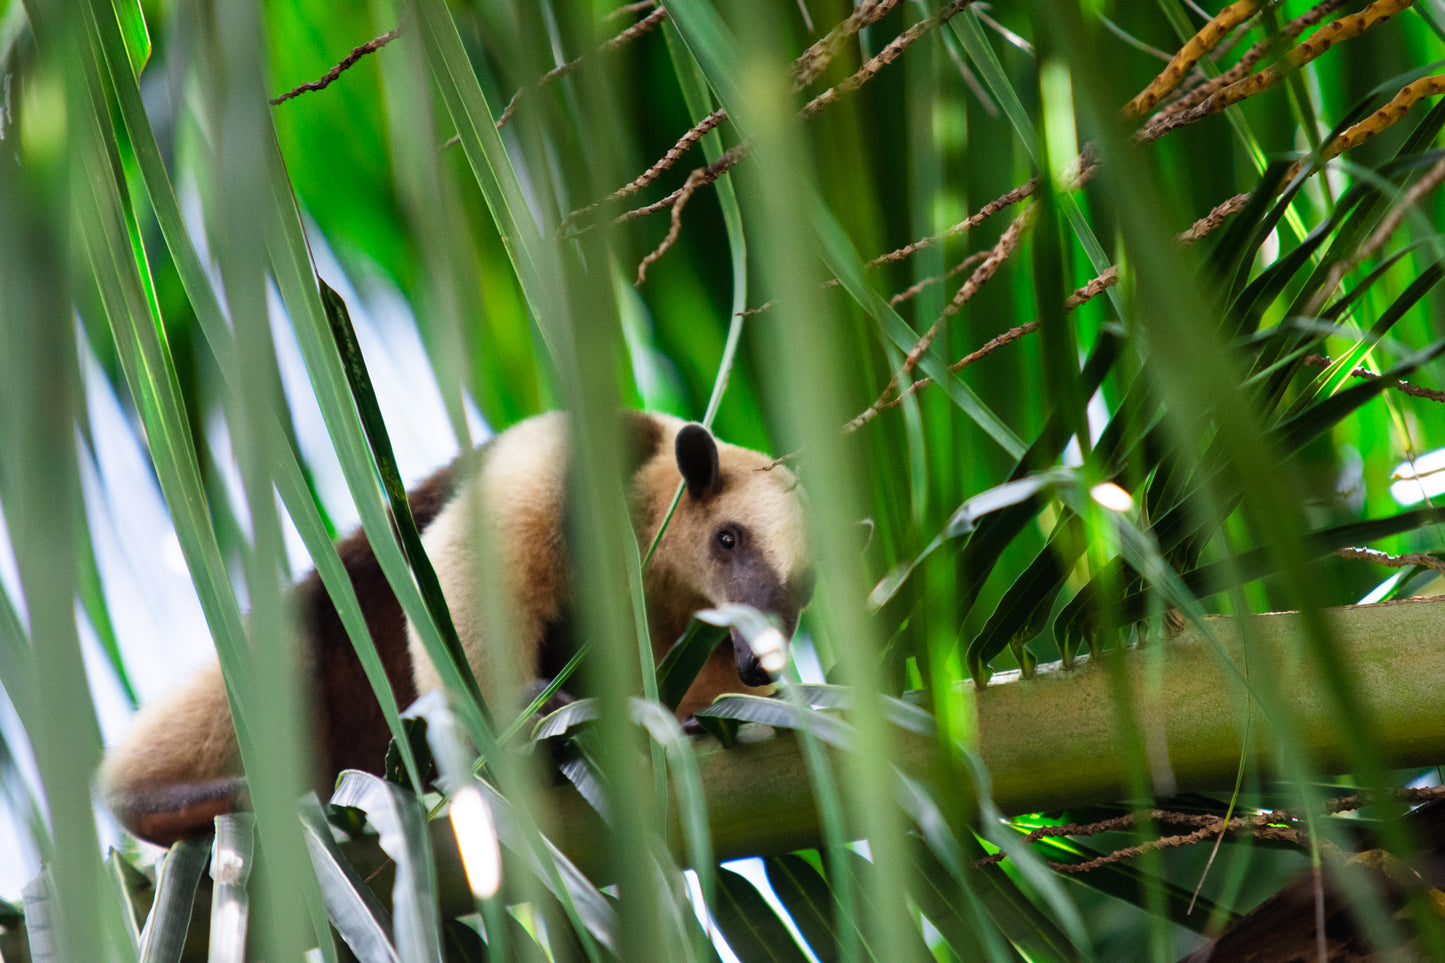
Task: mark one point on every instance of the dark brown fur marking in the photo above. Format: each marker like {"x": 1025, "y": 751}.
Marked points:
{"x": 644, "y": 436}
{"x": 354, "y": 728}
{"x": 167, "y": 814}
{"x": 642, "y": 439}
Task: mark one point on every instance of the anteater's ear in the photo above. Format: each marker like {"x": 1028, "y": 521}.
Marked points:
{"x": 697, "y": 460}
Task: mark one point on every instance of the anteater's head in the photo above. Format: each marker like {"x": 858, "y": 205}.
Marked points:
{"x": 738, "y": 535}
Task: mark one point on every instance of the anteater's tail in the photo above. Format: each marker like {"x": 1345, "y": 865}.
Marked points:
{"x": 179, "y": 767}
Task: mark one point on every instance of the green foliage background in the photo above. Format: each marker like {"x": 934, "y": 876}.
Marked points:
{"x": 769, "y": 315}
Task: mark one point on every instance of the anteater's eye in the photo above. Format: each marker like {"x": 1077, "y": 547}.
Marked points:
{"x": 727, "y": 538}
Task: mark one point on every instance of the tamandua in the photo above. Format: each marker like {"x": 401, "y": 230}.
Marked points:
{"x": 737, "y": 535}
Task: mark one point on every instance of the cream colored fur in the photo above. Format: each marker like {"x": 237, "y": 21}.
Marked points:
{"x": 515, "y": 502}
{"x": 184, "y": 737}
{"x": 517, "y": 499}
{"x": 764, "y": 497}
{"x": 514, "y": 506}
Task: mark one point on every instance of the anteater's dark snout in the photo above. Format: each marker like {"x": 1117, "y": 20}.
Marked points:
{"x": 750, "y": 668}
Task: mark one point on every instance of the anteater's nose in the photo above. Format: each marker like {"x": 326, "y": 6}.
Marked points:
{"x": 750, "y": 667}
{"x": 753, "y": 673}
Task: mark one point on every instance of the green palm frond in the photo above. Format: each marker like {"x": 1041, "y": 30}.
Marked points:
{"x": 1121, "y": 325}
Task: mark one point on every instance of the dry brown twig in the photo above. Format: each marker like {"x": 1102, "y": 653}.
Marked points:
{"x": 662, "y": 165}
{"x": 1364, "y": 374}
{"x": 733, "y": 156}
{"x": 694, "y": 181}
{"x": 1393, "y": 561}
{"x": 813, "y": 61}
{"x": 572, "y": 66}
{"x": 726, "y": 160}
{"x": 1390, "y": 223}
{"x": 678, "y": 200}
{"x": 371, "y": 46}
{"x": 1020, "y": 193}
{"x": 1381, "y": 119}
{"x": 1282, "y": 825}
{"x": 1432, "y": 179}
{"x": 1250, "y": 59}
{"x": 892, "y": 394}
{"x": 805, "y": 69}
{"x": 883, "y": 58}
{"x": 1006, "y": 199}
{"x": 630, "y": 9}
{"x": 1165, "y": 842}
{"x": 1206, "y": 39}
{"x": 1302, "y": 53}
{"x": 1352, "y": 137}
{"x": 1086, "y": 165}
{"x": 916, "y": 289}
{"x": 1093, "y": 289}
{"x": 1008, "y": 242}
{"x": 1215, "y": 218}
{"x": 638, "y": 29}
